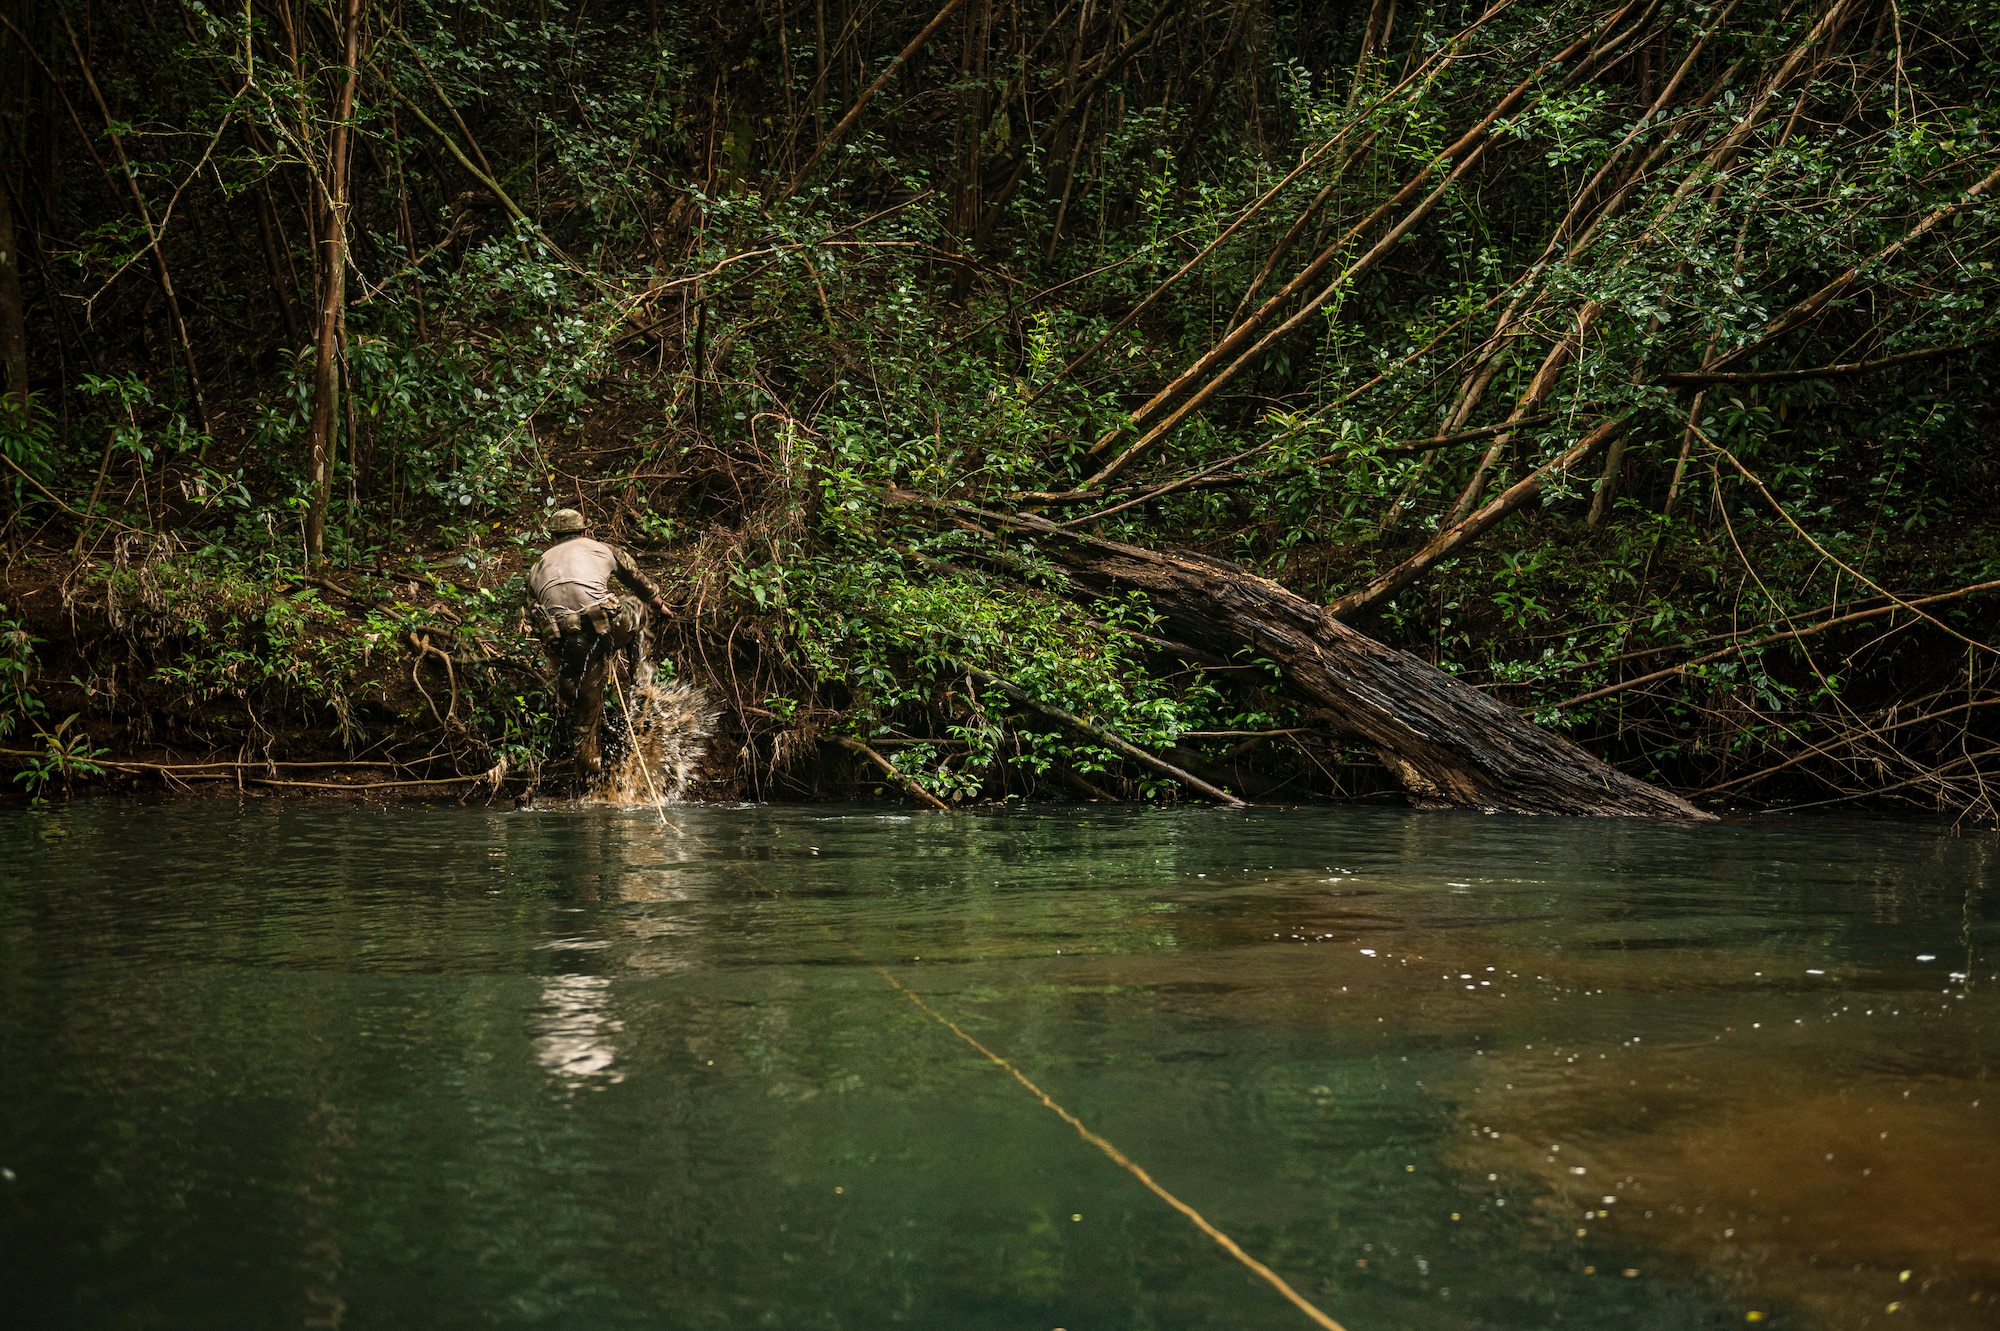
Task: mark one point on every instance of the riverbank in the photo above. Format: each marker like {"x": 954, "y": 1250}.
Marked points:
{"x": 172, "y": 661}
{"x": 176, "y": 661}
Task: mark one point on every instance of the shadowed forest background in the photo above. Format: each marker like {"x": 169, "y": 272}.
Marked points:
{"x": 1628, "y": 362}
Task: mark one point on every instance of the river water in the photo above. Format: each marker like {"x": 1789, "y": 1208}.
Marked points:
{"x": 300, "y": 1066}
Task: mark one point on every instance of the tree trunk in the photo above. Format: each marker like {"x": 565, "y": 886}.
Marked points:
{"x": 330, "y": 259}
{"x": 1607, "y": 484}
{"x": 1446, "y": 742}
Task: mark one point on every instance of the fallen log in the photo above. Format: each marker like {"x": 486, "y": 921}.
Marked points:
{"x": 1445, "y": 741}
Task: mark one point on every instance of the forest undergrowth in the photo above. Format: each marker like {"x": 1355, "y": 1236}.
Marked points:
{"x": 1630, "y": 363}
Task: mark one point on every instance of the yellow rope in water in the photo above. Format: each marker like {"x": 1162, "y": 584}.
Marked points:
{"x": 638, "y": 750}
{"x": 1118, "y": 1157}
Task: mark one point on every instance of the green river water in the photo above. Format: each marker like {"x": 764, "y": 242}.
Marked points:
{"x": 297, "y": 1066}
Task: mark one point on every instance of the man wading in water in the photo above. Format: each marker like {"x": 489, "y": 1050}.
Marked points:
{"x": 582, "y": 622}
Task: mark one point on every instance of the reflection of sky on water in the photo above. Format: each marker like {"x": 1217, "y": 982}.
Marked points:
{"x": 576, "y": 1026}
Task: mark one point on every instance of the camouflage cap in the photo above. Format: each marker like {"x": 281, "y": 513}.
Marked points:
{"x": 566, "y": 522}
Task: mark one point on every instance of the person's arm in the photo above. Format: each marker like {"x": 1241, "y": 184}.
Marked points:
{"x": 629, "y": 573}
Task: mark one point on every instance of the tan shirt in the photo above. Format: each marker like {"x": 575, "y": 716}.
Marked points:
{"x": 576, "y": 576}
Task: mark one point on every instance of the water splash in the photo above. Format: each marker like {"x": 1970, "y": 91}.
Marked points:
{"x": 656, "y": 749}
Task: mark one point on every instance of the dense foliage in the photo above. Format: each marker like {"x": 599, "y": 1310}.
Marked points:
{"x": 1631, "y": 361}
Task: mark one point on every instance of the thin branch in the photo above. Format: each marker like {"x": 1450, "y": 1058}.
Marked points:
{"x": 909, "y": 787}
{"x": 1737, "y": 649}
{"x": 57, "y": 502}
{"x": 1698, "y": 378}
{"x": 1462, "y": 154}
{"x": 1832, "y": 558}
{"x": 1447, "y": 542}
{"x": 1932, "y": 775}
{"x": 451, "y": 144}
{"x": 861, "y": 103}
{"x": 152, "y": 232}
{"x": 1851, "y": 738}
{"x": 1110, "y": 741}
{"x": 1814, "y": 305}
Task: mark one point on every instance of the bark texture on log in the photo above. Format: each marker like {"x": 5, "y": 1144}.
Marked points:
{"x": 1447, "y": 742}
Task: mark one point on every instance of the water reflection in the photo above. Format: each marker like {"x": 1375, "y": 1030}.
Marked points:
{"x": 576, "y": 1029}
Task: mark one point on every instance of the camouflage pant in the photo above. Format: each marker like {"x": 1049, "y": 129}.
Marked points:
{"x": 583, "y": 658}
